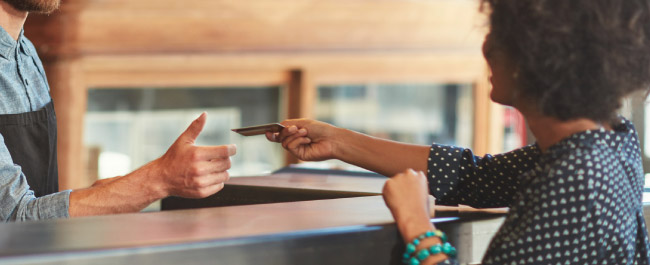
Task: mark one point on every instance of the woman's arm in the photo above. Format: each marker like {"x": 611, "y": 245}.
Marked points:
{"x": 382, "y": 156}
{"x": 406, "y": 196}
{"x": 311, "y": 140}
{"x": 455, "y": 174}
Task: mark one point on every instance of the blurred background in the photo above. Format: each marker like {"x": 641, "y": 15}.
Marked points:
{"x": 129, "y": 76}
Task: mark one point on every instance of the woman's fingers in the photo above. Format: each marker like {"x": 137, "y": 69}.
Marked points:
{"x": 299, "y": 134}
{"x": 297, "y": 142}
{"x": 279, "y": 137}
{"x": 273, "y": 137}
{"x": 287, "y": 132}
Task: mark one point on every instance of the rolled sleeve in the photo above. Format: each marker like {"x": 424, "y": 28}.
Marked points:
{"x": 443, "y": 172}
{"x": 17, "y": 201}
{"x": 52, "y": 206}
{"x": 457, "y": 176}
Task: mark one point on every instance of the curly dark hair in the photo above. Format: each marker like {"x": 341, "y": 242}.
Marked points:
{"x": 576, "y": 58}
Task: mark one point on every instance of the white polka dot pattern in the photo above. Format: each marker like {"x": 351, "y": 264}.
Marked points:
{"x": 578, "y": 203}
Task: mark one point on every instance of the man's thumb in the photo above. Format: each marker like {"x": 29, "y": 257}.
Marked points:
{"x": 195, "y": 128}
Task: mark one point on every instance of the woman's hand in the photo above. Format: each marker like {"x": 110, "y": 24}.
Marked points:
{"x": 406, "y": 195}
{"x": 308, "y": 140}
{"x": 311, "y": 140}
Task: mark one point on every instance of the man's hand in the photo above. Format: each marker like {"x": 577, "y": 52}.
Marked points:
{"x": 185, "y": 170}
{"x": 191, "y": 171}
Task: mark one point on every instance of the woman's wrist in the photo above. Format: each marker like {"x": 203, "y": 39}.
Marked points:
{"x": 341, "y": 140}
{"x": 413, "y": 225}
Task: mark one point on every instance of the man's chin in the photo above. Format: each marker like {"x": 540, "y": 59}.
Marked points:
{"x": 35, "y": 6}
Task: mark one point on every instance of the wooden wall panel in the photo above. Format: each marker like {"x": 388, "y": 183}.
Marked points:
{"x": 126, "y": 26}
{"x": 332, "y": 68}
{"x": 91, "y": 44}
{"x": 69, "y": 95}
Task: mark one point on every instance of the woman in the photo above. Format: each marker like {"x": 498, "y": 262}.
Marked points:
{"x": 575, "y": 195}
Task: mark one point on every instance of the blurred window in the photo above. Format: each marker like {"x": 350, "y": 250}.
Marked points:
{"x": 411, "y": 113}
{"x": 130, "y": 127}
{"x": 643, "y": 128}
{"x": 636, "y": 109}
{"x": 515, "y": 134}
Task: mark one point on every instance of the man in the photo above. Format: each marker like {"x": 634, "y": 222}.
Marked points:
{"x": 28, "y": 169}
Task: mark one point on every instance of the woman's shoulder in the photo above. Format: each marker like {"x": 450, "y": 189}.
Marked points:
{"x": 596, "y": 145}
{"x": 597, "y": 162}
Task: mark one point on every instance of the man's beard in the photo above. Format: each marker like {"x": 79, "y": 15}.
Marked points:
{"x": 35, "y": 6}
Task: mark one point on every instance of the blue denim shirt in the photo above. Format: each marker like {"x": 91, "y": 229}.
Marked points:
{"x": 23, "y": 88}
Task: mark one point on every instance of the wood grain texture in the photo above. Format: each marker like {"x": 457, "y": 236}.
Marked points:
{"x": 94, "y": 44}
{"x": 322, "y": 68}
{"x": 277, "y": 25}
{"x": 70, "y": 99}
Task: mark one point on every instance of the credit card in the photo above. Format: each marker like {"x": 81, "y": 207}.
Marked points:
{"x": 259, "y": 129}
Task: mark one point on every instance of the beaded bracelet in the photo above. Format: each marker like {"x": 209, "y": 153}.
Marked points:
{"x": 423, "y": 254}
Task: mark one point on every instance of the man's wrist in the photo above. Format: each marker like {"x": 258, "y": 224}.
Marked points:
{"x": 151, "y": 178}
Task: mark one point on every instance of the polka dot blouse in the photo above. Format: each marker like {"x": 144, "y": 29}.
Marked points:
{"x": 577, "y": 203}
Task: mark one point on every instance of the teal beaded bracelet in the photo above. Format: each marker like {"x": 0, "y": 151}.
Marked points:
{"x": 410, "y": 247}
{"x": 445, "y": 248}
{"x": 423, "y": 254}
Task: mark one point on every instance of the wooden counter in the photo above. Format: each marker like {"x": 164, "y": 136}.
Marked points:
{"x": 355, "y": 230}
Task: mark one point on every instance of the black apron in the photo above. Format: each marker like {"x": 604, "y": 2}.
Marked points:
{"x": 31, "y": 140}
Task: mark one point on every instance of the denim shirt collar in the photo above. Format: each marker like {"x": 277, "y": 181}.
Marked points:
{"x": 7, "y": 43}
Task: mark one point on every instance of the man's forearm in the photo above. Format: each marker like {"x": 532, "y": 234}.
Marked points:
{"x": 379, "y": 155}
{"x": 130, "y": 193}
